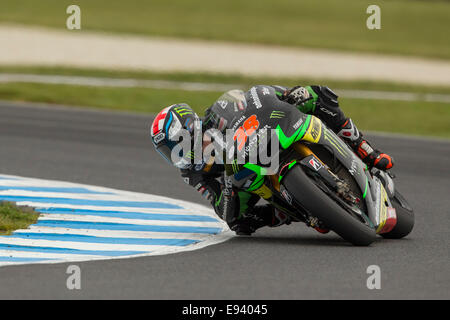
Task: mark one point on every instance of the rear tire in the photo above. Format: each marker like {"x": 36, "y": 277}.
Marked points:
{"x": 321, "y": 206}
{"x": 405, "y": 218}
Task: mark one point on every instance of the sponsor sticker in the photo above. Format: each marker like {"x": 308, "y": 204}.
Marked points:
{"x": 315, "y": 130}
{"x": 255, "y": 98}
{"x": 328, "y": 112}
{"x": 238, "y": 122}
{"x": 159, "y": 137}
{"x": 222, "y": 103}
{"x": 315, "y": 164}
{"x": 353, "y": 168}
{"x": 287, "y": 196}
{"x": 276, "y": 114}
{"x": 298, "y": 123}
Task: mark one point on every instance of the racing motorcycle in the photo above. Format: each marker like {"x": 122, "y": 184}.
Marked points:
{"x": 319, "y": 180}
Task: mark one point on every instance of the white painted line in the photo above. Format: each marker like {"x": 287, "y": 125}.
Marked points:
{"x": 211, "y": 240}
{"x": 198, "y": 86}
{"x": 116, "y": 233}
{"x": 114, "y": 82}
{"x": 54, "y": 255}
{"x": 393, "y": 95}
{"x": 90, "y": 218}
{"x": 46, "y": 205}
{"x": 407, "y": 137}
{"x": 82, "y": 245}
{"x": 81, "y": 196}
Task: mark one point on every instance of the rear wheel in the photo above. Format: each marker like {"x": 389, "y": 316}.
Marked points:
{"x": 305, "y": 190}
{"x": 405, "y": 218}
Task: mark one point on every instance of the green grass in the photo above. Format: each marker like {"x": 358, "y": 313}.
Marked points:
{"x": 413, "y": 118}
{"x": 408, "y": 27}
{"x": 241, "y": 80}
{"x": 14, "y": 217}
{"x": 418, "y": 118}
{"x": 125, "y": 99}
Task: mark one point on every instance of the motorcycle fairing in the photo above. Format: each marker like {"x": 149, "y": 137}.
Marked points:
{"x": 374, "y": 194}
{"x": 292, "y": 126}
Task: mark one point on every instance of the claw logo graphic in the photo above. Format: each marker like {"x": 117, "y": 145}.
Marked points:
{"x": 182, "y": 111}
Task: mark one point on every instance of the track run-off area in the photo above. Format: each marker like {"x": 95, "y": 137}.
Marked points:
{"x": 50, "y": 47}
{"x": 113, "y": 149}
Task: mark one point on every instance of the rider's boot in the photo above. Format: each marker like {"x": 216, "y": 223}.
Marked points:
{"x": 279, "y": 218}
{"x": 322, "y": 230}
{"x": 370, "y": 156}
{"x": 261, "y": 216}
{"x": 276, "y": 218}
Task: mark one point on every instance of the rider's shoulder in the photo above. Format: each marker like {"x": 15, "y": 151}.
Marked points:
{"x": 261, "y": 90}
{"x": 262, "y": 87}
{"x": 324, "y": 92}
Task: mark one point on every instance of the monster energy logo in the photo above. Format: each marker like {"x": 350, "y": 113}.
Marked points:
{"x": 336, "y": 143}
{"x": 182, "y": 111}
{"x": 190, "y": 155}
{"x": 276, "y": 114}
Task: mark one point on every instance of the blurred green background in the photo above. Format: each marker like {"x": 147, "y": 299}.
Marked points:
{"x": 412, "y": 27}
{"x": 409, "y": 28}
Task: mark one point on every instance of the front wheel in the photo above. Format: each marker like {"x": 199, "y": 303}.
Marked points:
{"x": 405, "y": 218}
{"x": 321, "y": 206}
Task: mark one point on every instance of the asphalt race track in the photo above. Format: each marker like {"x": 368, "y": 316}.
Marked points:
{"x": 290, "y": 262}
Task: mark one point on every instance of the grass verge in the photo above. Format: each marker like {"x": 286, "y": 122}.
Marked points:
{"x": 407, "y": 117}
{"x": 408, "y": 27}
{"x": 224, "y": 78}
{"x": 13, "y": 217}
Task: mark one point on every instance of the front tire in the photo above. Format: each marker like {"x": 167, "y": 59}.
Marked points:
{"x": 405, "y": 218}
{"x": 321, "y": 206}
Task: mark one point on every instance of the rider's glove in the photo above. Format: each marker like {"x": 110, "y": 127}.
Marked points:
{"x": 208, "y": 188}
{"x": 297, "y": 95}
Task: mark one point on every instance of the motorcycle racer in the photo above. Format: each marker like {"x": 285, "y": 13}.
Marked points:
{"x": 237, "y": 207}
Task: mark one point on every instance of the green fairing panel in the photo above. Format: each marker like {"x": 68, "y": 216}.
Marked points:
{"x": 255, "y": 168}
{"x": 286, "y": 141}
{"x": 244, "y": 198}
{"x": 257, "y": 182}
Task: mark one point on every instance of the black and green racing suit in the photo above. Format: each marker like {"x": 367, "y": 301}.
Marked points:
{"x": 238, "y": 207}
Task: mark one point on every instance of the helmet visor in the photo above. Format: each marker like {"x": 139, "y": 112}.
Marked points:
{"x": 178, "y": 146}
{"x": 178, "y": 160}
